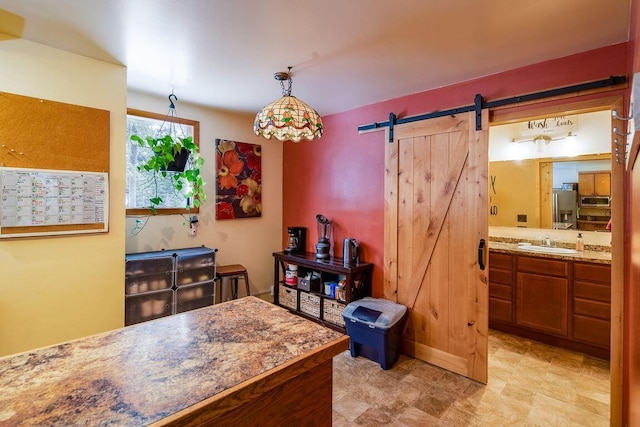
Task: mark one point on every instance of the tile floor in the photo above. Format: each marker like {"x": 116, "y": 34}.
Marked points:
{"x": 530, "y": 384}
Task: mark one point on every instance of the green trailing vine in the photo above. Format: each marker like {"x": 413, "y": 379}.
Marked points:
{"x": 166, "y": 152}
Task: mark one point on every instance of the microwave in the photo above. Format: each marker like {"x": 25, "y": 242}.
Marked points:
{"x": 595, "y": 201}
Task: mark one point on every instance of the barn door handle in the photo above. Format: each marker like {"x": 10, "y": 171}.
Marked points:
{"x": 481, "y": 254}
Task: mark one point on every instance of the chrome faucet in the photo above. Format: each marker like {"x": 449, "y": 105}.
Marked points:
{"x": 547, "y": 241}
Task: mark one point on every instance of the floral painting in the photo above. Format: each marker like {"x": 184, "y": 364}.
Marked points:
{"x": 238, "y": 179}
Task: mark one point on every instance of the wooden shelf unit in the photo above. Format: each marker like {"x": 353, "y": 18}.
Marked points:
{"x": 314, "y": 304}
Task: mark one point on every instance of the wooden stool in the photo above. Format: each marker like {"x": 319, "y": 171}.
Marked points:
{"x": 233, "y": 272}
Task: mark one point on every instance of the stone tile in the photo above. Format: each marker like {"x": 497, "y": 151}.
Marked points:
{"x": 513, "y": 392}
{"x": 559, "y": 387}
{"x": 412, "y": 417}
{"x": 349, "y": 408}
{"x": 339, "y": 420}
{"x": 374, "y": 416}
{"x": 455, "y": 416}
{"x": 455, "y": 383}
{"x": 593, "y": 406}
{"x": 433, "y": 405}
{"x": 423, "y": 375}
{"x": 582, "y": 418}
{"x": 547, "y": 411}
{"x": 596, "y": 369}
{"x": 594, "y": 391}
{"x": 536, "y": 360}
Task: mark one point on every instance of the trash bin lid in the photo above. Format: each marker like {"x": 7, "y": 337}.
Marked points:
{"x": 376, "y": 312}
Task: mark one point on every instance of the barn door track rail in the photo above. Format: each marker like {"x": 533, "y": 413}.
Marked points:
{"x": 480, "y": 104}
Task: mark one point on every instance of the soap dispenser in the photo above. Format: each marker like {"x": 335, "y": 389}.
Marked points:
{"x": 579, "y": 243}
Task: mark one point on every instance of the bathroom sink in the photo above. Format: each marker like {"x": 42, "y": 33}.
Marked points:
{"x": 547, "y": 249}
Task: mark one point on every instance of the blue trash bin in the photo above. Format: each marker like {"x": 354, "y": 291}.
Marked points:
{"x": 375, "y": 328}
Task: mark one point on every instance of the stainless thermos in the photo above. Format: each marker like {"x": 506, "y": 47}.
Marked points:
{"x": 350, "y": 252}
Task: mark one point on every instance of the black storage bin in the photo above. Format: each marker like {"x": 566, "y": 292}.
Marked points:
{"x": 375, "y": 328}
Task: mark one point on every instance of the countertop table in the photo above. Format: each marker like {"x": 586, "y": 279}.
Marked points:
{"x": 243, "y": 362}
{"x": 597, "y": 257}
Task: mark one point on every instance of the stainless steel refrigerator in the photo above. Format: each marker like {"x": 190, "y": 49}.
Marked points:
{"x": 565, "y": 208}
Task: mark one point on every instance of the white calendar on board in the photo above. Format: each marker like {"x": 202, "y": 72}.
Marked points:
{"x": 41, "y": 202}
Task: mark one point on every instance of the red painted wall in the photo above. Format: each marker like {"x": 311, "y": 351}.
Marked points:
{"x": 342, "y": 174}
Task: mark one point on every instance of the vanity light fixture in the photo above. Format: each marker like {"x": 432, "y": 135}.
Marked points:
{"x": 546, "y": 139}
{"x": 288, "y": 118}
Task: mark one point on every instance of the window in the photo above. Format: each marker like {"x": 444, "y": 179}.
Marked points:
{"x": 141, "y": 186}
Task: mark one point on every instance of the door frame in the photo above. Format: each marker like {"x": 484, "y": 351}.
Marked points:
{"x": 572, "y": 105}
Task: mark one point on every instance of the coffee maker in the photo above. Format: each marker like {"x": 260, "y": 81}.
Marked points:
{"x": 297, "y": 240}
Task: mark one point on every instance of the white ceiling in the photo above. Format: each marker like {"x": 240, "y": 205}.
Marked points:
{"x": 344, "y": 53}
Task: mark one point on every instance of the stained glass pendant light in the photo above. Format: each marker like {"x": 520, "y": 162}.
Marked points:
{"x": 287, "y": 118}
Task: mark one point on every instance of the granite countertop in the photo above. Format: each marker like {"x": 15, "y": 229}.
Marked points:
{"x": 142, "y": 373}
{"x": 598, "y": 257}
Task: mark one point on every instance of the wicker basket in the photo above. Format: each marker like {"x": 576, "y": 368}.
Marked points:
{"x": 288, "y": 297}
{"x": 310, "y": 304}
{"x": 332, "y": 312}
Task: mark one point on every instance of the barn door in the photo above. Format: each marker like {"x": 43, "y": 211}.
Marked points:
{"x": 436, "y": 187}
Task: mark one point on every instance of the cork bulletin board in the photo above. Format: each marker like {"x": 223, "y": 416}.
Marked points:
{"x": 39, "y": 137}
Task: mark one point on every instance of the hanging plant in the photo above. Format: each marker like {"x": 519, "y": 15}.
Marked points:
{"x": 175, "y": 157}
{"x": 166, "y": 158}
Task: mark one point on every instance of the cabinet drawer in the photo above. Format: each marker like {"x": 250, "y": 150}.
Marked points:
{"x": 500, "y": 291}
{"x": 332, "y": 312}
{"x": 594, "y": 291}
{"x": 192, "y": 297}
{"x": 288, "y": 297}
{"x": 544, "y": 266}
{"x": 500, "y": 310}
{"x": 499, "y": 276}
{"x": 149, "y": 283}
{"x": 140, "y": 308}
{"x": 592, "y": 272}
{"x": 141, "y": 265}
{"x": 195, "y": 275}
{"x": 310, "y": 304}
{"x": 501, "y": 261}
{"x": 593, "y": 331}
{"x": 600, "y": 310}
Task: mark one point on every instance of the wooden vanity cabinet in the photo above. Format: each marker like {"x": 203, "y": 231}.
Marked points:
{"x": 501, "y": 271}
{"x": 592, "y": 303}
{"x": 564, "y": 303}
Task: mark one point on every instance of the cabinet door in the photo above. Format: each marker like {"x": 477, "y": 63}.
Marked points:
{"x": 542, "y": 303}
{"x": 602, "y": 183}
{"x": 586, "y": 185}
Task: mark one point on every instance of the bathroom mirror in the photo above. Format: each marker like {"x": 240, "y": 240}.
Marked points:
{"x": 535, "y": 169}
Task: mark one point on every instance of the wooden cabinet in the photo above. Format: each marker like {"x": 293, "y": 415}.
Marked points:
{"x": 592, "y": 303}
{"x": 594, "y": 183}
{"x": 501, "y": 272}
{"x": 312, "y": 302}
{"x": 561, "y": 302}
{"x": 542, "y": 294}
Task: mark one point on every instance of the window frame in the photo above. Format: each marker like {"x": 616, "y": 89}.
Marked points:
{"x": 196, "y": 139}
